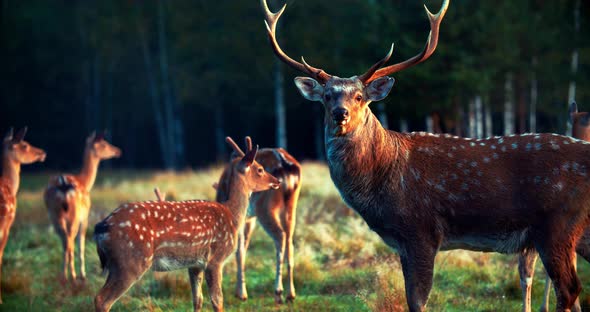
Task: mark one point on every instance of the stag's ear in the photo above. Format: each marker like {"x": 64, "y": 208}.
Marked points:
{"x": 247, "y": 160}
{"x": 8, "y": 136}
{"x": 572, "y": 110}
{"x": 20, "y": 135}
{"x": 379, "y": 88}
{"x": 309, "y": 88}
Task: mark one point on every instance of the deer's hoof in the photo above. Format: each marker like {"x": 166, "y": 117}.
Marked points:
{"x": 290, "y": 297}
{"x": 242, "y": 297}
{"x": 279, "y": 296}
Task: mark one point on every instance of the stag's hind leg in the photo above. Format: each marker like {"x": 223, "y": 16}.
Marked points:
{"x": 196, "y": 280}
{"x": 526, "y": 270}
{"x": 557, "y": 252}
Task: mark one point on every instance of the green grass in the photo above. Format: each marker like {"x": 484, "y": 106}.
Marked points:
{"x": 340, "y": 264}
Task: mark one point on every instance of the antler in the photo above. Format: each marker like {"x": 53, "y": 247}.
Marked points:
{"x": 271, "y": 20}
{"x": 234, "y": 146}
{"x": 248, "y": 143}
{"x": 435, "y": 19}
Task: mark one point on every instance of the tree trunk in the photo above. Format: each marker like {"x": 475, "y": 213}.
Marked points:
{"x": 318, "y": 132}
{"x": 154, "y": 95}
{"x": 571, "y": 94}
{"x": 169, "y": 125}
{"x": 219, "y": 133}
{"x": 281, "y": 131}
{"x": 429, "y": 124}
{"x": 382, "y": 115}
{"x": 534, "y": 95}
{"x": 508, "y": 105}
{"x": 472, "y": 131}
{"x": 488, "y": 118}
{"x": 478, "y": 116}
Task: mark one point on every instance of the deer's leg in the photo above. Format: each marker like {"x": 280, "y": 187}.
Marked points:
{"x": 3, "y": 240}
{"x": 196, "y": 280}
{"x": 118, "y": 282}
{"x": 279, "y": 239}
{"x": 214, "y": 277}
{"x": 289, "y": 222}
{"x": 81, "y": 247}
{"x": 417, "y": 259}
{"x": 61, "y": 229}
{"x": 526, "y": 270}
{"x": 71, "y": 245}
{"x": 243, "y": 241}
{"x": 546, "y": 295}
{"x": 557, "y": 253}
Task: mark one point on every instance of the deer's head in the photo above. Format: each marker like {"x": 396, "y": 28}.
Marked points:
{"x": 580, "y": 123}
{"x": 20, "y": 151}
{"x": 346, "y": 100}
{"x": 100, "y": 148}
{"x": 244, "y": 166}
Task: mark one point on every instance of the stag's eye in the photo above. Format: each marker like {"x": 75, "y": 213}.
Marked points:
{"x": 260, "y": 171}
{"x": 359, "y": 98}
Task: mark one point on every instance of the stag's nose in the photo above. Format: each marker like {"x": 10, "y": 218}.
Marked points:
{"x": 340, "y": 115}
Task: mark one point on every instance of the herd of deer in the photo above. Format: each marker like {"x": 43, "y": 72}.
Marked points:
{"x": 421, "y": 192}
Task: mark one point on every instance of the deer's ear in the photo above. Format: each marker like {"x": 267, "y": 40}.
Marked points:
{"x": 572, "y": 110}
{"x": 247, "y": 160}
{"x": 379, "y": 88}
{"x": 8, "y": 136}
{"x": 309, "y": 88}
{"x": 20, "y": 135}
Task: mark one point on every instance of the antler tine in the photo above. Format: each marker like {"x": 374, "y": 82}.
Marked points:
{"x": 364, "y": 77}
{"x": 234, "y": 146}
{"x": 431, "y": 43}
{"x": 248, "y": 143}
{"x": 271, "y": 20}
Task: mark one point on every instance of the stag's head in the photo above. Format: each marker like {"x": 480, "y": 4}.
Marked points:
{"x": 100, "y": 148}
{"x": 20, "y": 151}
{"x": 346, "y": 100}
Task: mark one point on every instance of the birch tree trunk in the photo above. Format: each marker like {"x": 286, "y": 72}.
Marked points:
{"x": 319, "y": 132}
{"x": 508, "y": 105}
{"x": 534, "y": 95}
{"x": 489, "y": 129}
{"x": 571, "y": 94}
{"x": 429, "y": 124}
{"x": 403, "y": 125}
{"x": 478, "y": 116}
{"x": 471, "y": 120}
{"x": 281, "y": 131}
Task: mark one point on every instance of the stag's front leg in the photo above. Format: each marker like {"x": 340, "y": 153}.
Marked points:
{"x": 3, "y": 241}
{"x": 417, "y": 260}
{"x": 196, "y": 280}
{"x": 214, "y": 277}
{"x": 526, "y": 270}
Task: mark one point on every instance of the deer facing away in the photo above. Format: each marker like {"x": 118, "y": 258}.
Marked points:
{"x": 423, "y": 192}
{"x": 165, "y": 235}
{"x": 15, "y": 152}
{"x": 526, "y": 262}
{"x": 276, "y": 212}
{"x": 67, "y": 198}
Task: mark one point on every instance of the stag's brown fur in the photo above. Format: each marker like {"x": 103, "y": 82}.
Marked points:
{"x": 276, "y": 212}
{"x": 67, "y": 198}
{"x": 166, "y": 235}
{"x": 15, "y": 151}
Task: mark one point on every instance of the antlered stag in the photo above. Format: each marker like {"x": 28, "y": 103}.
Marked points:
{"x": 67, "y": 198}
{"x": 425, "y": 192}
{"x": 526, "y": 263}
{"x": 276, "y": 212}
{"x": 15, "y": 151}
{"x": 167, "y": 235}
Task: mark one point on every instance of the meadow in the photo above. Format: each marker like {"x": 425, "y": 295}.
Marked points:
{"x": 340, "y": 264}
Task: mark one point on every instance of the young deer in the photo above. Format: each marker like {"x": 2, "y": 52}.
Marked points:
{"x": 67, "y": 198}
{"x": 275, "y": 209}
{"x": 580, "y": 122}
{"x": 15, "y": 151}
{"x": 195, "y": 234}
{"x": 423, "y": 192}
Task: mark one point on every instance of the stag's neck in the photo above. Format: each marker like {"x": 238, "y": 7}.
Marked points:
{"x": 365, "y": 160}
{"x": 87, "y": 175}
{"x": 11, "y": 173}
{"x": 238, "y": 200}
